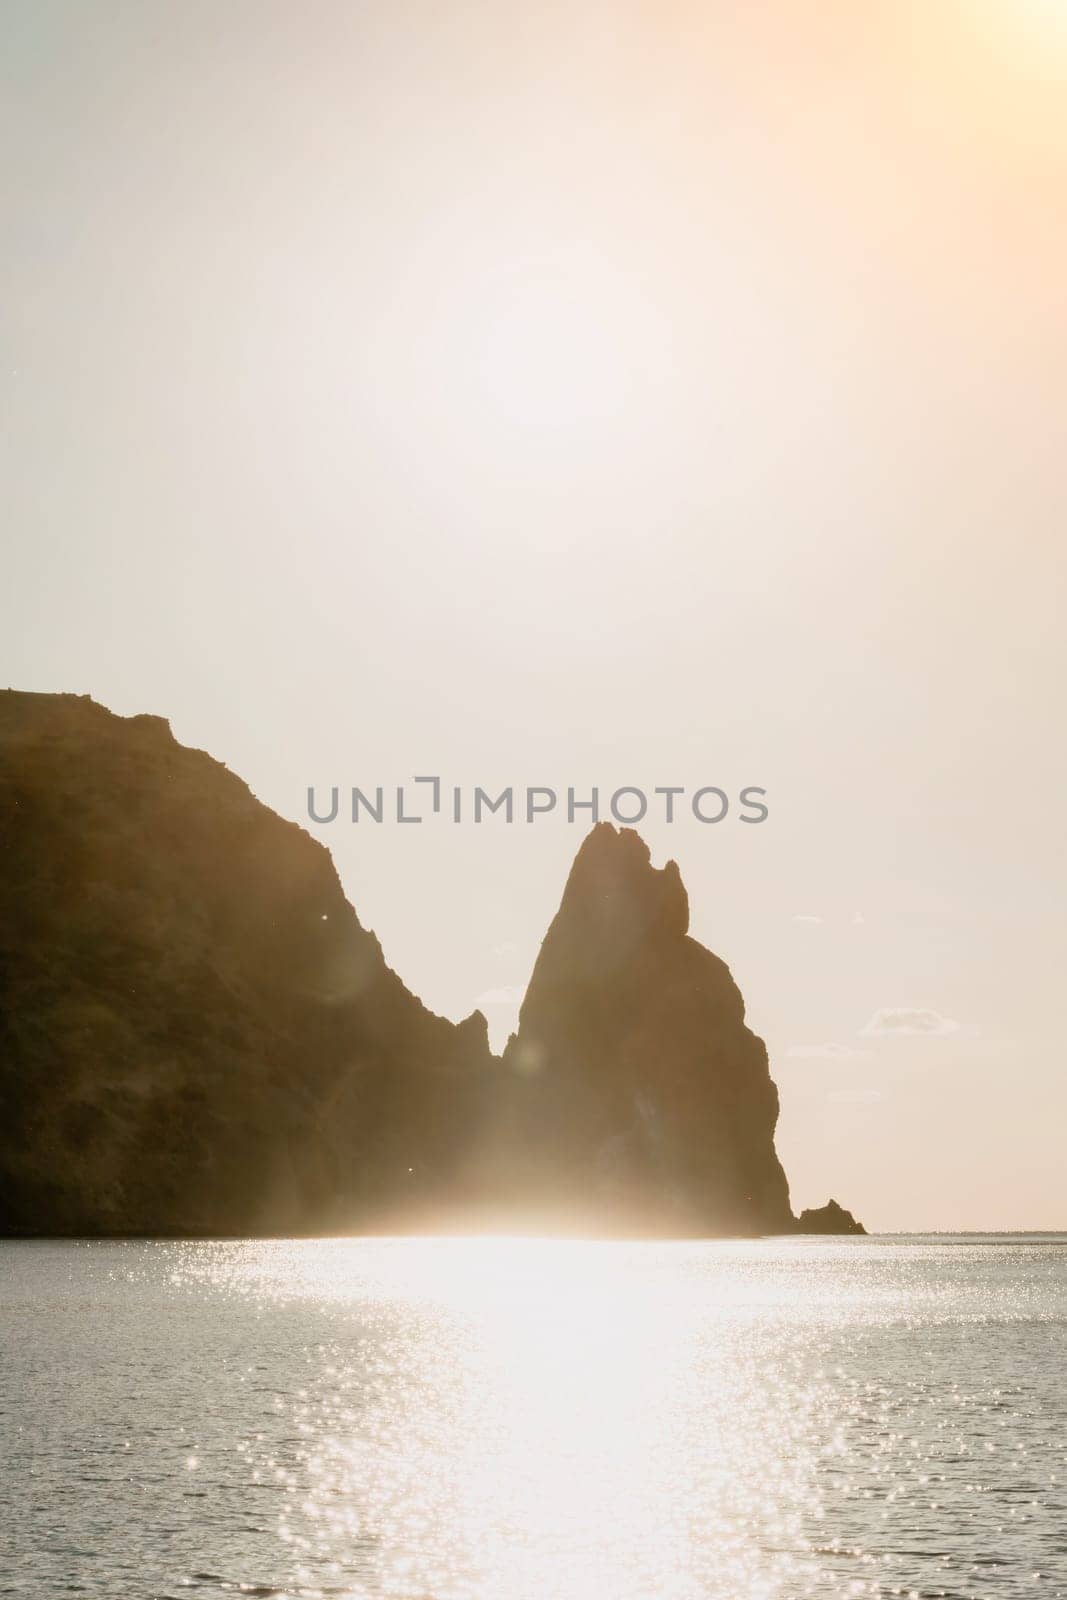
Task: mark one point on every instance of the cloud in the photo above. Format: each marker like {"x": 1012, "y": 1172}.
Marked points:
{"x": 895, "y": 1022}
{"x": 510, "y": 994}
{"x": 806, "y": 916}
{"x": 826, "y": 1052}
{"x": 858, "y": 919}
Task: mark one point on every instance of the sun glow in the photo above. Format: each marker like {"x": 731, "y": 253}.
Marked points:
{"x": 1031, "y": 34}
{"x": 1047, "y": 14}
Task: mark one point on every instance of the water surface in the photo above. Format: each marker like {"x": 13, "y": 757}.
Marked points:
{"x": 534, "y": 1420}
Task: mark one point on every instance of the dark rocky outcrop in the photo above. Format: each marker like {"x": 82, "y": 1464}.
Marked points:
{"x": 639, "y": 1095}
{"x": 196, "y": 1033}
{"x": 830, "y": 1218}
{"x": 198, "y": 1036}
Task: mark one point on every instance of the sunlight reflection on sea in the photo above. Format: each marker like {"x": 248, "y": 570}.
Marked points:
{"x": 496, "y": 1419}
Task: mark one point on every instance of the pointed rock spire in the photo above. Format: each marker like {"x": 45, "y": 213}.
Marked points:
{"x": 640, "y": 1098}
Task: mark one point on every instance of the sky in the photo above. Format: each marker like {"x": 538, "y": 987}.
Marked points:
{"x": 585, "y": 394}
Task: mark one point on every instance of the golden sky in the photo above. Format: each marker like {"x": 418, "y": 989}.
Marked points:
{"x": 573, "y": 394}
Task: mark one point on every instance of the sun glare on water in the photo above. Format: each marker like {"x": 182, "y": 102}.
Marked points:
{"x": 538, "y": 1419}
{"x": 522, "y": 1419}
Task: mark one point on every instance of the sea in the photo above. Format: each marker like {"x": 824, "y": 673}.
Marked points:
{"x": 530, "y": 1419}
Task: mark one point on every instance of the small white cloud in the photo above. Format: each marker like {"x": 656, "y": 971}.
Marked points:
{"x": 858, "y": 919}
{"x": 826, "y": 1052}
{"x": 510, "y": 994}
{"x": 895, "y": 1022}
{"x": 806, "y": 916}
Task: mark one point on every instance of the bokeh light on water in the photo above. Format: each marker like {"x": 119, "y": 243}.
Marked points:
{"x": 492, "y": 1419}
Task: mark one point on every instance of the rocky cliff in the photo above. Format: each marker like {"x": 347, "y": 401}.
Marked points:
{"x": 198, "y": 1036}
{"x": 196, "y": 1033}
{"x": 639, "y": 1095}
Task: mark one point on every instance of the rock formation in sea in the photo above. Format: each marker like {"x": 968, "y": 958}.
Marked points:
{"x": 197, "y": 1035}
{"x": 830, "y": 1218}
{"x": 639, "y": 1094}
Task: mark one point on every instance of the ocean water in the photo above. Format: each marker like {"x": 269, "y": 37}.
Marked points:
{"x": 492, "y": 1419}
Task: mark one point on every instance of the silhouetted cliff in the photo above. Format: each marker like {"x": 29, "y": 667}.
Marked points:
{"x": 198, "y": 1036}
{"x": 639, "y": 1094}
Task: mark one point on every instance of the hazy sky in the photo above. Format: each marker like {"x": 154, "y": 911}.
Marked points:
{"x": 587, "y": 393}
